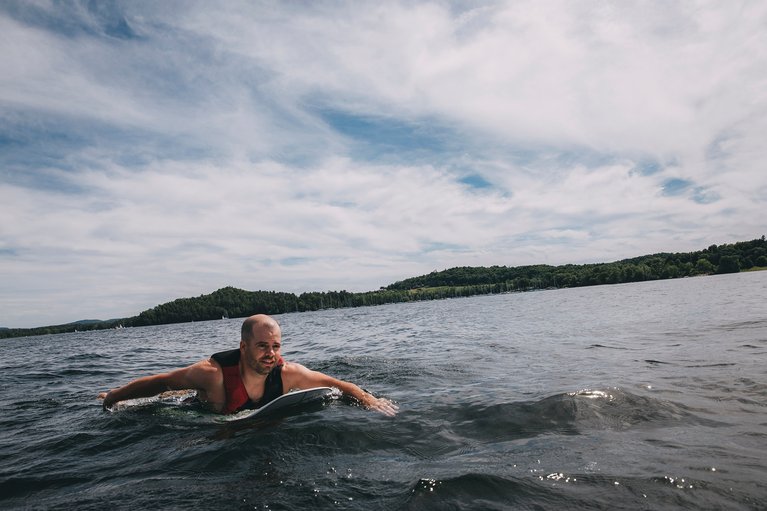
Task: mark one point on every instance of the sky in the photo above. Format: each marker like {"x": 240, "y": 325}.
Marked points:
{"x": 157, "y": 150}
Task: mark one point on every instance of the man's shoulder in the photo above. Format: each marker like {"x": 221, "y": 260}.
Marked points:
{"x": 206, "y": 369}
{"x": 291, "y": 368}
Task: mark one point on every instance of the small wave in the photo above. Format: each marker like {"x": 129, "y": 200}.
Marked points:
{"x": 620, "y": 410}
{"x": 569, "y": 414}
{"x": 744, "y": 390}
{"x": 592, "y": 394}
{"x": 485, "y": 491}
{"x": 23, "y": 487}
{"x": 574, "y": 491}
{"x": 87, "y": 357}
{"x": 37, "y": 376}
{"x": 743, "y": 325}
{"x": 657, "y": 362}
{"x": 723, "y": 364}
{"x": 36, "y": 404}
{"x": 85, "y": 372}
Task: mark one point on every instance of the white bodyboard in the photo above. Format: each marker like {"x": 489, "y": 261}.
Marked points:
{"x": 285, "y": 401}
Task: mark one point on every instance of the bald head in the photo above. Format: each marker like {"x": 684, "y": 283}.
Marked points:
{"x": 257, "y": 326}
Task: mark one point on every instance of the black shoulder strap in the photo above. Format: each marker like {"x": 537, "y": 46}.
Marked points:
{"x": 227, "y": 358}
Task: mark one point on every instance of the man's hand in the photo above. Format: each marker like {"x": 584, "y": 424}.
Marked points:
{"x": 105, "y": 397}
{"x": 383, "y": 405}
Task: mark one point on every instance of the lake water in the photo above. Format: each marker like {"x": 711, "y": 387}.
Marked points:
{"x": 639, "y": 396}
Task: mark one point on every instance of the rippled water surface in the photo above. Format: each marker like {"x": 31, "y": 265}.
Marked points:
{"x": 639, "y": 396}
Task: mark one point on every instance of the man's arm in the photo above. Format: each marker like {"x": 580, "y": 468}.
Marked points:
{"x": 296, "y": 376}
{"x": 199, "y": 376}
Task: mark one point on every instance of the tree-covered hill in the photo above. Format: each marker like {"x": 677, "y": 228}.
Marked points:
{"x": 727, "y": 258}
{"x": 454, "y": 282}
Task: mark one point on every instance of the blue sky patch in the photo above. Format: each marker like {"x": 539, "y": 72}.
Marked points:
{"x": 8, "y": 252}
{"x": 33, "y": 142}
{"x": 104, "y": 18}
{"x": 700, "y": 194}
{"x": 675, "y": 186}
{"x": 648, "y": 167}
{"x": 703, "y": 195}
{"x": 476, "y": 181}
{"x": 389, "y": 138}
{"x": 434, "y": 246}
{"x": 294, "y": 261}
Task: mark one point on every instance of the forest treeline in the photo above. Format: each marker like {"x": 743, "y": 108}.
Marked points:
{"x": 230, "y": 302}
{"x": 729, "y": 258}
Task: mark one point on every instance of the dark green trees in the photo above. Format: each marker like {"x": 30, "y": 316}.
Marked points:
{"x": 230, "y": 302}
{"x": 728, "y": 264}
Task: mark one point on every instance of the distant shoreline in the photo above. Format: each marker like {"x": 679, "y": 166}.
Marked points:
{"x": 746, "y": 256}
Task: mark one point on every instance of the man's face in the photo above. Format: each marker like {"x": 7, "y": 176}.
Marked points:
{"x": 262, "y": 351}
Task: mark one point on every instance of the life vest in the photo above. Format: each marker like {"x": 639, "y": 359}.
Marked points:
{"x": 236, "y": 394}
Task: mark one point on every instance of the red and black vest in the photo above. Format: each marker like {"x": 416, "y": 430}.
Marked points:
{"x": 236, "y": 395}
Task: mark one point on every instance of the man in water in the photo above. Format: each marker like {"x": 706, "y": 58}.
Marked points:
{"x": 244, "y": 378}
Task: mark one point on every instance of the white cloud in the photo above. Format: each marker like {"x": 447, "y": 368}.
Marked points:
{"x": 195, "y": 155}
{"x": 610, "y": 76}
